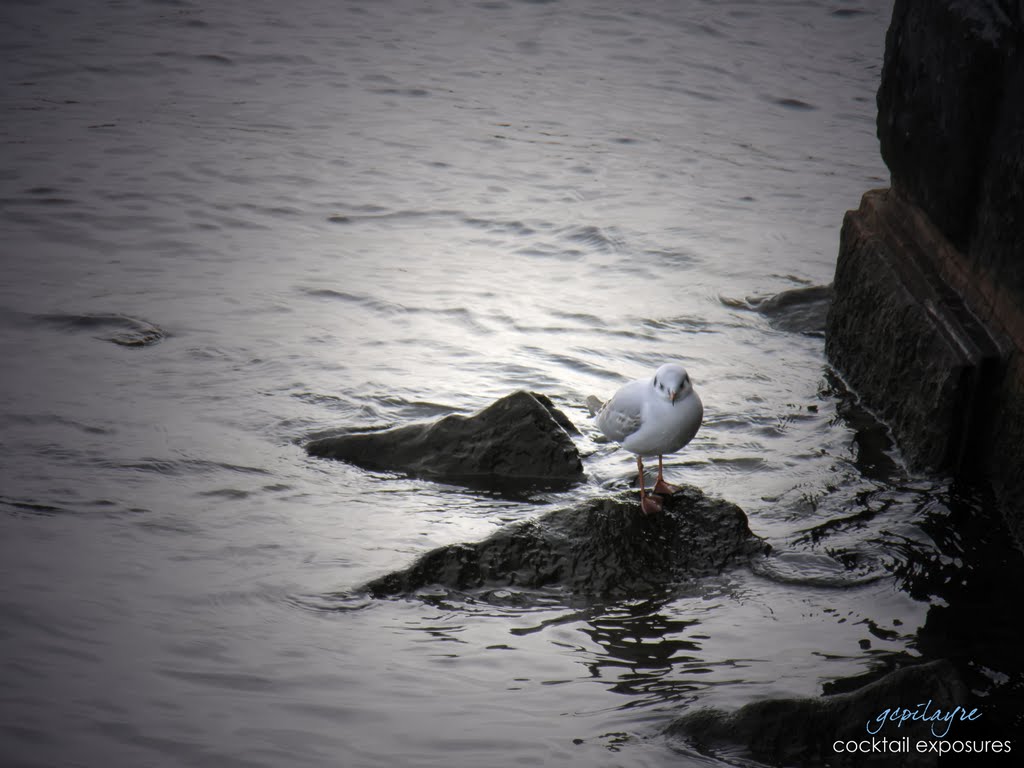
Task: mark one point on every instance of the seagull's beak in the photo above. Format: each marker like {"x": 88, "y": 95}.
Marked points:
{"x": 672, "y": 397}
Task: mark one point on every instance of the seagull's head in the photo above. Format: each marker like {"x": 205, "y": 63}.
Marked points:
{"x": 672, "y": 382}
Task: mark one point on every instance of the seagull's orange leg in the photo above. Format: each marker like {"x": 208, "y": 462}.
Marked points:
{"x": 661, "y": 486}
{"x": 648, "y": 504}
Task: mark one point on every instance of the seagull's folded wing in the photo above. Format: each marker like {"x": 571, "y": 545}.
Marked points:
{"x": 620, "y": 417}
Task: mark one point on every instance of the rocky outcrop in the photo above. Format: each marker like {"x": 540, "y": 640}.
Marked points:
{"x": 927, "y": 323}
{"x": 951, "y": 129}
{"x": 799, "y": 732}
{"x": 602, "y": 547}
{"x": 519, "y": 441}
{"x": 904, "y": 339}
{"x": 946, "y": 103}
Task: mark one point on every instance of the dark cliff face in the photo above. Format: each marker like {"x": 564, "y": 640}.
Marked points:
{"x": 997, "y": 240}
{"x": 904, "y": 340}
{"x": 951, "y": 124}
{"x": 944, "y": 86}
{"x": 927, "y": 324}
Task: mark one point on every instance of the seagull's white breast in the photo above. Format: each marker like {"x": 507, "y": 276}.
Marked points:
{"x": 644, "y": 421}
{"x": 665, "y": 427}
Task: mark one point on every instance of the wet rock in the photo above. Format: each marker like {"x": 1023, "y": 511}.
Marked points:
{"x": 800, "y": 310}
{"x": 801, "y": 732}
{"x": 951, "y": 128}
{"x": 521, "y": 440}
{"x": 871, "y": 438}
{"x": 945, "y": 82}
{"x": 602, "y": 547}
{"x": 997, "y": 242}
{"x": 904, "y": 339}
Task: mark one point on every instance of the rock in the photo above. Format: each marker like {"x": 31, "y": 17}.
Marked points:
{"x": 602, "y": 547}
{"x": 801, "y": 732}
{"x": 872, "y": 440}
{"x": 521, "y": 440}
{"x": 904, "y": 340}
{"x": 996, "y": 249}
{"x": 943, "y": 84}
{"x": 118, "y": 329}
{"x": 950, "y": 239}
{"x": 800, "y": 310}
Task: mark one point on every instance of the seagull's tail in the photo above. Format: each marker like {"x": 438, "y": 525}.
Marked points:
{"x": 594, "y": 405}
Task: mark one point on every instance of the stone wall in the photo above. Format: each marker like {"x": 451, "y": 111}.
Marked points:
{"x": 927, "y": 323}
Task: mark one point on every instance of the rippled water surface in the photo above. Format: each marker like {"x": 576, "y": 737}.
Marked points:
{"x": 228, "y": 226}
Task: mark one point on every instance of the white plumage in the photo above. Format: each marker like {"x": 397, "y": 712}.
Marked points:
{"x": 651, "y": 417}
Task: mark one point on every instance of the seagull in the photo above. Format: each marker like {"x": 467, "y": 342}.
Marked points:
{"x": 651, "y": 417}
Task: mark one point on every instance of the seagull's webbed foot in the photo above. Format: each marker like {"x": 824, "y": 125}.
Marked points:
{"x": 650, "y": 505}
{"x": 660, "y": 486}
{"x": 666, "y": 489}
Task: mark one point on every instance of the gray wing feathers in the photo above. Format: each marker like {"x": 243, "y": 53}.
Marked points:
{"x": 620, "y": 416}
{"x": 617, "y": 426}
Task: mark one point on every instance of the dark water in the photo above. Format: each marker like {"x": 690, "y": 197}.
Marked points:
{"x": 226, "y": 226}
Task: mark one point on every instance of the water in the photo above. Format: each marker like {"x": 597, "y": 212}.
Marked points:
{"x": 364, "y": 214}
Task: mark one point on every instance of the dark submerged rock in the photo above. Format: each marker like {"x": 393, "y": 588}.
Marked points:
{"x": 118, "y": 329}
{"x": 602, "y": 547}
{"x": 520, "y": 440}
{"x": 800, "y": 310}
{"x": 801, "y": 732}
